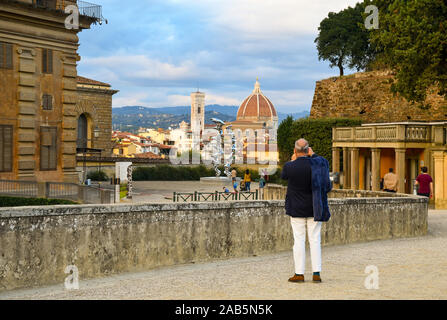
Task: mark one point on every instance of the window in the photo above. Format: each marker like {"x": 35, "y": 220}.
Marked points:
{"x": 5, "y": 55}
{"x": 47, "y": 102}
{"x": 5, "y": 148}
{"x": 47, "y": 61}
{"x": 48, "y": 148}
{"x": 198, "y": 110}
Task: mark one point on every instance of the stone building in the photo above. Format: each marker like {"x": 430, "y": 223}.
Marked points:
{"x": 40, "y": 108}
{"x": 367, "y": 96}
{"x": 257, "y": 116}
{"x": 365, "y": 154}
{"x": 94, "y": 114}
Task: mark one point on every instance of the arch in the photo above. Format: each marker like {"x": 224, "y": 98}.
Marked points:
{"x": 84, "y": 131}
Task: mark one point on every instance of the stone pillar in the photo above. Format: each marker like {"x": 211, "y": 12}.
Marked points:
{"x": 413, "y": 169}
{"x": 438, "y": 177}
{"x": 69, "y": 120}
{"x": 336, "y": 164}
{"x": 28, "y": 103}
{"x": 354, "y": 168}
{"x": 346, "y": 169}
{"x": 400, "y": 169}
{"x": 375, "y": 169}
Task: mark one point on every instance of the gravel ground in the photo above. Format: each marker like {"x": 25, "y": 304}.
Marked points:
{"x": 413, "y": 268}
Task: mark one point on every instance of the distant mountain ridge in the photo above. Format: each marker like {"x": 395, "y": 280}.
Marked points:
{"x": 131, "y": 118}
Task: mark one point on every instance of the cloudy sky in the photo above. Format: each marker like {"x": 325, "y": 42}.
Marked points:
{"x": 156, "y": 52}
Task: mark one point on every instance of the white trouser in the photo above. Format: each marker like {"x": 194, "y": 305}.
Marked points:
{"x": 299, "y": 247}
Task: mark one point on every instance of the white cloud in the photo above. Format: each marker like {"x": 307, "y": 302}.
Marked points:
{"x": 269, "y": 18}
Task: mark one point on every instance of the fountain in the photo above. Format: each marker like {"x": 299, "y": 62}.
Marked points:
{"x": 218, "y": 152}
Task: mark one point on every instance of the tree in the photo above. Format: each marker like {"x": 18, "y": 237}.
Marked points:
{"x": 344, "y": 41}
{"x": 413, "y": 39}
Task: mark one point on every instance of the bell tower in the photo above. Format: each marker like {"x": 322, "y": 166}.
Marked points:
{"x": 197, "y": 112}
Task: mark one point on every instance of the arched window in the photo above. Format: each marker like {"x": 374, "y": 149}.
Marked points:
{"x": 82, "y": 132}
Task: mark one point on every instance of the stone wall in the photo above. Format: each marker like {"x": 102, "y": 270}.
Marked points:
{"x": 97, "y": 104}
{"x": 367, "y": 96}
{"x": 38, "y": 243}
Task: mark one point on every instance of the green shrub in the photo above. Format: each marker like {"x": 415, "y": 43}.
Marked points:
{"x": 97, "y": 176}
{"x": 317, "y": 131}
{"x": 21, "y": 202}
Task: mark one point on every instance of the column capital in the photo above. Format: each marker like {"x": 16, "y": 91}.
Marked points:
{"x": 400, "y": 150}
{"x": 376, "y": 150}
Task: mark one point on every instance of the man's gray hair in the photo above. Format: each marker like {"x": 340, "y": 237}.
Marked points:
{"x": 302, "y": 146}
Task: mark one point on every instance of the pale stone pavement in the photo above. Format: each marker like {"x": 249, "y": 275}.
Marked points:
{"x": 413, "y": 268}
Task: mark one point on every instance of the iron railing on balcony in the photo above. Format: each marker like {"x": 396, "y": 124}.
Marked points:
{"x": 91, "y": 10}
{"x": 86, "y": 9}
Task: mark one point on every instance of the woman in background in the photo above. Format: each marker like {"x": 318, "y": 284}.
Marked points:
{"x": 247, "y": 179}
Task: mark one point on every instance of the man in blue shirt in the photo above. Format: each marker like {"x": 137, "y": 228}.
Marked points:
{"x": 302, "y": 198}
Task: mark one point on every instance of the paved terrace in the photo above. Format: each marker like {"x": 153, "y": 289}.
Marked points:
{"x": 409, "y": 269}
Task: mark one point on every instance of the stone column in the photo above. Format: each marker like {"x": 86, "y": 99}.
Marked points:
{"x": 354, "y": 168}
{"x": 438, "y": 177}
{"x": 28, "y": 103}
{"x": 69, "y": 120}
{"x": 400, "y": 169}
{"x": 375, "y": 169}
{"x": 346, "y": 169}
{"x": 413, "y": 169}
{"x": 336, "y": 164}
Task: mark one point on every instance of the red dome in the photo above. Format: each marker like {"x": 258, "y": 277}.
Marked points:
{"x": 256, "y": 107}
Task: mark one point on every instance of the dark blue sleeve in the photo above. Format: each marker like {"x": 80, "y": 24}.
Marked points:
{"x": 284, "y": 175}
{"x": 328, "y": 179}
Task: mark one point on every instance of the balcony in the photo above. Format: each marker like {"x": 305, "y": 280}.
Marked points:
{"x": 86, "y": 9}
{"x": 393, "y": 132}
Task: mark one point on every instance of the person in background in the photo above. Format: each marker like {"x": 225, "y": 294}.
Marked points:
{"x": 425, "y": 183}
{"x": 390, "y": 181}
{"x": 226, "y": 190}
{"x": 247, "y": 179}
{"x": 233, "y": 179}
{"x": 261, "y": 185}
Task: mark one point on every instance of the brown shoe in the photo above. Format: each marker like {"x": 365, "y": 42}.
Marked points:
{"x": 316, "y": 278}
{"x": 297, "y": 278}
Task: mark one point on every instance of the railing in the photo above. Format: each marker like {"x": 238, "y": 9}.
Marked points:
{"x": 86, "y": 9}
{"x": 19, "y": 188}
{"x": 57, "y": 190}
{"x": 214, "y": 196}
{"x": 417, "y": 133}
{"x": 385, "y": 133}
{"x": 90, "y": 10}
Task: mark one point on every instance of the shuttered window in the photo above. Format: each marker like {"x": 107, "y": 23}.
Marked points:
{"x": 48, "y": 148}
{"x": 47, "y": 61}
{"x": 5, "y": 148}
{"x": 5, "y": 55}
{"x": 47, "y": 102}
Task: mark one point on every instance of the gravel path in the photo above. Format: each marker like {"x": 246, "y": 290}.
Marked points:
{"x": 408, "y": 269}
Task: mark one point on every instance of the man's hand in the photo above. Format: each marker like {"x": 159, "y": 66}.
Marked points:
{"x": 311, "y": 152}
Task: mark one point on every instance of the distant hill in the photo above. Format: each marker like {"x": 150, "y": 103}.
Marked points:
{"x": 131, "y": 118}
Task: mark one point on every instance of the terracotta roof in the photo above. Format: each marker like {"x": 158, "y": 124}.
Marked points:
{"x": 147, "y": 155}
{"x": 83, "y": 80}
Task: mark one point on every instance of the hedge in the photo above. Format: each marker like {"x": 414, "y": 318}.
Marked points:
{"x": 317, "y": 131}
{"x": 97, "y": 176}
{"x": 180, "y": 173}
{"x": 21, "y": 202}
